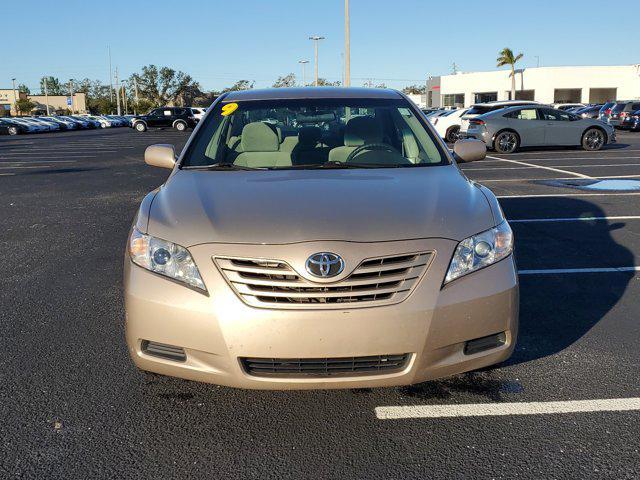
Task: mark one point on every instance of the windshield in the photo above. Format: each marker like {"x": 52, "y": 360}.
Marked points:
{"x": 313, "y": 133}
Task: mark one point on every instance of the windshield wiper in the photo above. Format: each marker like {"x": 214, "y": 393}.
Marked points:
{"x": 222, "y": 166}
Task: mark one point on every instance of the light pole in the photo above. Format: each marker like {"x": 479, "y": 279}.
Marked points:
{"x": 15, "y": 100}
{"x": 46, "y": 94}
{"x": 316, "y": 39}
{"x": 117, "y": 92}
{"x": 71, "y": 93}
{"x": 303, "y": 63}
{"x": 347, "y": 46}
{"x": 110, "y": 75}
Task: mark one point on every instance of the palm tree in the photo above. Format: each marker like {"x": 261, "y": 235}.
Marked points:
{"x": 506, "y": 57}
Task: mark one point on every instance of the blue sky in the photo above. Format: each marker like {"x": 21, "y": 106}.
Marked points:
{"x": 397, "y": 42}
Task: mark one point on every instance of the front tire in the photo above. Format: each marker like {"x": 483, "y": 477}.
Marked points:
{"x": 452, "y": 134}
{"x": 13, "y": 131}
{"x": 506, "y": 142}
{"x": 593, "y": 139}
{"x": 181, "y": 126}
{"x": 140, "y": 127}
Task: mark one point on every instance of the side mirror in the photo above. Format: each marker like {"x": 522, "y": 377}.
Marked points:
{"x": 469, "y": 150}
{"x": 161, "y": 155}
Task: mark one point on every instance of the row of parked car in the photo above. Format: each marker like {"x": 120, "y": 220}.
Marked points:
{"x": 619, "y": 114}
{"x": 179, "y": 118}
{"x": 18, "y": 125}
{"x": 506, "y": 126}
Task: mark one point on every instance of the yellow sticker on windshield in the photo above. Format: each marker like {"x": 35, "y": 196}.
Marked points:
{"x": 229, "y": 108}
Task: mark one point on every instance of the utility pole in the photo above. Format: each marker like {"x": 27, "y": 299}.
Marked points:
{"x": 135, "y": 86}
{"x": 117, "y": 89}
{"x": 347, "y": 46}
{"x": 303, "y": 63}
{"x": 316, "y": 39}
{"x": 110, "y": 75}
{"x": 71, "y": 93}
{"x": 537, "y": 61}
{"x": 15, "y": 99}
{"x": 124, "y": 96}
{"x": 46, "y": 94}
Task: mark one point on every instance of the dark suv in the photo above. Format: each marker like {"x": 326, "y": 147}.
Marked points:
{"x": 622, "y": 110}
{"x": 179, "y": 118}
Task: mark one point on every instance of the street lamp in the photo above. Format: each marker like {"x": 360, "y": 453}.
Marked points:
{"x": 15, "y": 100}
{"x": 303, "y": 63}
{"x": 347, "y": 46}
{"x": 316, "y": 39}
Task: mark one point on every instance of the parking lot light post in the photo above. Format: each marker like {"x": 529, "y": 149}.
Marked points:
{"x": 316, "y": 39}
{"x": 71, "y": 93}
{"x": 117, "y": 92}
{"x": 46, "y": 94}
{"x": 15, "y": 100}
{"x": 304, "y": 64}
{"x": 124, "y": 96}
{"x": 347, "y": 46}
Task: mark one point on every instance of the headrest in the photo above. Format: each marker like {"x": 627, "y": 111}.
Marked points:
{"x": 362, "y": 131}
{"x": 309, "y": 135}
{"x": 259, "y": 137}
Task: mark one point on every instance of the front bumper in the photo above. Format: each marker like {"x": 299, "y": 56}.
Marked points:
{"x": 218, "y": 329}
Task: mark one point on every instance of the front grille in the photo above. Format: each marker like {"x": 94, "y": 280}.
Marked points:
{"x": 273, "y": 283}
{"x": 325, "y": 367}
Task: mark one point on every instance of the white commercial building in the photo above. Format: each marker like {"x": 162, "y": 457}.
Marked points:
{"x": 543, "y": 84}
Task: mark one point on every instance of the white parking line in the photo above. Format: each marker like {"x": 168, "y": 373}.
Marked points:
{"x": 501, "y": 409}
{"x": 24, "y": 166}
{"x": 573, "y": 219}
{"x": 564, "y": 271}
{"x": 576, "y": 194}
{"x": 567, "y": 172}
{"x": 484, "y": 180}
{"x": 617, "y": 165}
{"x": 37, "y": 157}
{"x": 555, "y": 159}
{"x": 32, "y": 161}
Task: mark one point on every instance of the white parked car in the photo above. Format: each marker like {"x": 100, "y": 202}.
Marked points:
{"x": 448, "y": 125}
{"x": 198, "y": 112}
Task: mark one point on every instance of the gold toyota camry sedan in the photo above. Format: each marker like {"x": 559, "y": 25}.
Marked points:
{"x": 318, "y": 238}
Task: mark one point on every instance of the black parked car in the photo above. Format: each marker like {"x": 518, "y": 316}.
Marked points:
{"x": 179, "y": 118}
{"x": 7, "y": 127}
{"x": 591, "y": 111}
{"x": 632, "y": 121}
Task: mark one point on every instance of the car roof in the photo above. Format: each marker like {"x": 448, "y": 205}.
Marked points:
{"x": 311, "y": 92}
{"x": 506, "y": 103}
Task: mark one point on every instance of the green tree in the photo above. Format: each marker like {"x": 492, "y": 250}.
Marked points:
{"x": 24, "y": 106}
{"x": 286, "y": 81}
{"x": 240, "y": 85}
{"x": 323, "y": 82}
{"x": 22, "y": 88}
{"x": 506, "y": 57}
{"x": 414, "y": 89}
{"x": 164, "y": 85}
{"x": 53, "y": 86}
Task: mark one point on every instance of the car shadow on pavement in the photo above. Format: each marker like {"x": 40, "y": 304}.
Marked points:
{"x": 556, "y": 310}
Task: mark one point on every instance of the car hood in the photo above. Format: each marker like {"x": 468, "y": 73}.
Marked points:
{"x": 287, "y": 206}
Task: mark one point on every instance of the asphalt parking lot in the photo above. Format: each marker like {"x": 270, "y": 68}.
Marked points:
{"x": 73, "y": 406}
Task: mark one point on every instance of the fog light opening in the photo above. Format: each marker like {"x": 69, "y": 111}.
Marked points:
{"x": 162, "y": 350}
{"x": 482, "y": 344}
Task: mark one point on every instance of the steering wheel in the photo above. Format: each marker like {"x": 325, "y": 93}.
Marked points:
{"x": 370, "y": 147}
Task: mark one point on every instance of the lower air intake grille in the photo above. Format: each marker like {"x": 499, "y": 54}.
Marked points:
{"x": 325, "y": 367}
{"x": 164, "y": 351}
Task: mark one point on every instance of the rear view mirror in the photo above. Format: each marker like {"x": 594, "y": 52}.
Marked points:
{"x": 161, "y": 155}
{"x": 469, "y": 150}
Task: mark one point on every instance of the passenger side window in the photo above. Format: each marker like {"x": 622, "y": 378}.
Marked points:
{"x": 524, "y": 114}
{"x": 167, "y": 113}
{"x": 555, "y": 115}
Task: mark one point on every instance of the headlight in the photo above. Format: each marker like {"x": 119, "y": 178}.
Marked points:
{"x": 165, "y": 258}
{"x": 480, "y": 250}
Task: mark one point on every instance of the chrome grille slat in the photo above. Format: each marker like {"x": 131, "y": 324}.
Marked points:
{"x": 376, "y": 281}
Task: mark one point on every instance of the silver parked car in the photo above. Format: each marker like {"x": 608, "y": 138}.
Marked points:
{"x": 508, "y": 129}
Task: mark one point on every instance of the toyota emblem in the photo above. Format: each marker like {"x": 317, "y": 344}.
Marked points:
{"x": 324, "y": 264}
